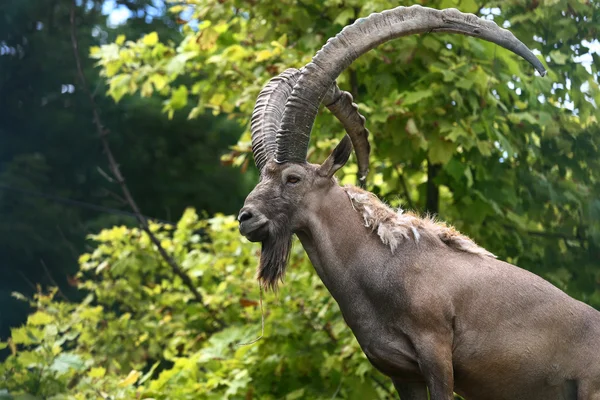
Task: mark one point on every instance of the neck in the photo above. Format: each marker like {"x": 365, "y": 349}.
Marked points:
{"x": 340, "y": 247}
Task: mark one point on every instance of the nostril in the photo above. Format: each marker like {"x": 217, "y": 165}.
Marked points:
{"x": 244, "y": 216}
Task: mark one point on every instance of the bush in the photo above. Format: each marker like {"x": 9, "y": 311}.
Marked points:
{"x": 140, "y": 333}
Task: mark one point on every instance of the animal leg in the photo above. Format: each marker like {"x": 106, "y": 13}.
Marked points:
{"x": 435, "y": 361}
{"x": 411, "y": 391}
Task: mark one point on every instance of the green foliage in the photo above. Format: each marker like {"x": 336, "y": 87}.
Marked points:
{"x": 139, "y": 333}
{"x": 53, "y": 189}
{"x": 519, "y": 170}
{"x": 518, "y": 155}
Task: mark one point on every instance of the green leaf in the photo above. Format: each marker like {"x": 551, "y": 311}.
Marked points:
{"x": 449, "y": 4}
{"x": 455, "y": 169}
{"x": 177, "y": 64}
{"x": 66, "y": 362}
{"x": 159, "y": 81}
{"x": 466, "y": 84}
{"x": 523, "y": 116}
{"x": 217, "y": 99}
{"x": 195, "y": 112}
{"x": 240, "y": 381}
{"x": 456, "y": 133}
{"x": 149, "y": 374}
{"x": 131, "y": 378}
{"x": 179, "y": 98}
{"x": 19, "y": 296}
{"x": 558, "y": 57}
{"x": 25, "y": 335}
{"x": 432, "y": 43}
{"x": 22, "y": 396}
{"x": 415, "y": 97}
{"x": 343, "y": 17}
{"x": 150, "y": 39}
{"x": 264, "y": 55}
{"x": 97, "y": 372}
{"x": 469, "y": 176}
{"x": 485, "y": 148}
{"x": 469, "y": 6}
{"x": 119, "y": 86}
{"x": 411, "y": 127}
{"x": 440, "y": 151}
{"x": 360, "y": 389}
{"x": 296, "y": 394}
{"x": 40, "y": 318}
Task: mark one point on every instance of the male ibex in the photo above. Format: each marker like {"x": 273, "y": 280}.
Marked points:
{"x": 430, "y": 308}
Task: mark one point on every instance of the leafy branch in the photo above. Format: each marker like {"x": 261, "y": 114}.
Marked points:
{"x": 118, "y": 176}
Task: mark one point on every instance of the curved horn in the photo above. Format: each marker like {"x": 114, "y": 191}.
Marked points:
{"x": 340, "y": 103}
{"x": 268, "y": 112}
{"x": 356, "y": 39}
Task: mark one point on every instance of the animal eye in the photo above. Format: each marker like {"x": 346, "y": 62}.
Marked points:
{"x": 292, "y": 179}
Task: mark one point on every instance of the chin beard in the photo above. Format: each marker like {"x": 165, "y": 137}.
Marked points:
{"x": 274, "y": 257}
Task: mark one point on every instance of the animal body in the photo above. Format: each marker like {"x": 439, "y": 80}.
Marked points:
{"x": 430, "y": 309}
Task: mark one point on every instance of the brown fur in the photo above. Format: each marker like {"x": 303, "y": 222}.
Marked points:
{"x": 394, "y": 227}
{"x": 438, "y": 315}
{"x": 274, "y": 256}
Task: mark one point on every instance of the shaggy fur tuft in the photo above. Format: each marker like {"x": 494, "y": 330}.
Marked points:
{"x": 395, "y": 227}
{"x": 274, "y": 256}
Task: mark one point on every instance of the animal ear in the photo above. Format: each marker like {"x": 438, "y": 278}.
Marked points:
{"x": 337, "y": 158}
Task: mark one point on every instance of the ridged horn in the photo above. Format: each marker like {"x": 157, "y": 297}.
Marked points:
{"x": 268, "y": 111}
{"x": 363, "y": 35}
{"x": 341, "y": 104}
{"x": 267, "y": 114}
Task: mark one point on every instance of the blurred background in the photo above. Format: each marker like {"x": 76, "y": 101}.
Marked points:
{"x": 460, "y": 128}
{"x": 53, "y": 186}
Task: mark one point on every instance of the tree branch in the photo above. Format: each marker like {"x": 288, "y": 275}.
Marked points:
{"x": 411, "y": 205}
{"x": 31, "y": 284}
{"x": 116, "y": 172}
{"x": 72, "y": 249}
{"x": 52, "y": 281}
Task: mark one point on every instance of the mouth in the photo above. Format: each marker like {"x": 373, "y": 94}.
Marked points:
{"x": 255, "y": 230}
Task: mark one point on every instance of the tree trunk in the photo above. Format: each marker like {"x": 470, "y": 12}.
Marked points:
{"x": 432, "y": 201}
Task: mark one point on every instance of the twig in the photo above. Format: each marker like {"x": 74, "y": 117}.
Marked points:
{"x": 74, "y": 203}
{"x": 27, "y": 280}
{"x": 116, "y": 172}
{"x": 104, "y": 174}
{"x": 118, "y": 198}
{"x": 329, "y": 331}
{"x": 52, "y": 281}
{"x": 68, "y": 243}
{"x": 338, "y": 389}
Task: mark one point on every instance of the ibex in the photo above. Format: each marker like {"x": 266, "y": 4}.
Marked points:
{"x": 429, "y": 308}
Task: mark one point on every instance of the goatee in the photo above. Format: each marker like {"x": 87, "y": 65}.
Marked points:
{"x": 274, "y": 257}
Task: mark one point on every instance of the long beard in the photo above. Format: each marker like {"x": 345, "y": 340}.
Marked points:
{"x": 274, "y": 257}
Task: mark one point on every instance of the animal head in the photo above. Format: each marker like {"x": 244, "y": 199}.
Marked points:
{"x": 286, "y": 197}
{"x": 291, "y": 189}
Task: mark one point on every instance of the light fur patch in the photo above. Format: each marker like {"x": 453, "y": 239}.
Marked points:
{"x": 395, "y": 227}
